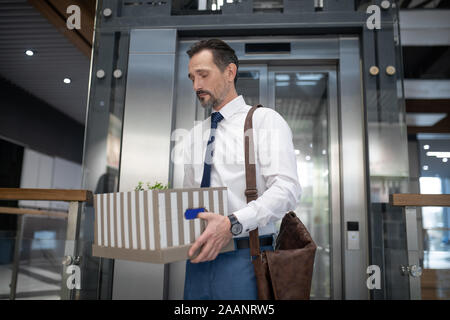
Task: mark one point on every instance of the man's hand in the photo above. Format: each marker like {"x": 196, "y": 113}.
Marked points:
{"x": 216, "y": 235}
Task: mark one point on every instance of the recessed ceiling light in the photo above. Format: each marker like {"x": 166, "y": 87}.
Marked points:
{"x": 438, "y": 154}
{"x": 425, "y": 168}
{"x": 306, "y": 83}
{"x": 309, "y": 77}
{"x": 308, "y": 158}
{"x": 29, "y": 53}
{"x": 282, "y": 77}
{"x": 67, "y": 80}
{"x": 444, "y": 159}
{"x": 426, "y": 147}
{"x": 297, "y": 151}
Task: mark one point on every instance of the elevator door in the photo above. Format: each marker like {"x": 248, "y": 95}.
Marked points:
{"x": 316, "y": 86}
{"x": 306, "y": 97}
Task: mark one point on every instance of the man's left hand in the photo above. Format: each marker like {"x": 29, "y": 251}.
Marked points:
{"x": 216, "y": 235}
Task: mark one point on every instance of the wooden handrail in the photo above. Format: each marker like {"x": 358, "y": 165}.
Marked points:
{"x": 419, "y": 200}
{"x": 45, "y": 194}
{"x": 59, "y": 214}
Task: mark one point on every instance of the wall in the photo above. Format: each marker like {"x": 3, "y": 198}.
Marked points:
{"x": 28, "y": 121}
{"x": 42, "y": 171}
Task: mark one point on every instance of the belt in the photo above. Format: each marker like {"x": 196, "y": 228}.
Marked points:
{"x": 244, "y": 243}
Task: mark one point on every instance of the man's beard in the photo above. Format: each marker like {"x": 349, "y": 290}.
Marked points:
{"x": 211, "y": 103}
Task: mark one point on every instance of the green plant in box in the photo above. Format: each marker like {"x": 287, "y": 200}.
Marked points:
{"x": 157, "y": 185}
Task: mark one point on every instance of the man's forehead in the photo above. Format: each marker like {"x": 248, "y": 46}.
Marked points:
{"x": 201, "y": 59}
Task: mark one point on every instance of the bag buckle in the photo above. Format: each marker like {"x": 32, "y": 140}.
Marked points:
{"x": 251, "y": 192}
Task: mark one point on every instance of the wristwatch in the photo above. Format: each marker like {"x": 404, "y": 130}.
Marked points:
{"x": 236, "y": 226}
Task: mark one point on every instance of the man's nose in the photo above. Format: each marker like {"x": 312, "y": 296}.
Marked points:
{"x": 197, "y": 85}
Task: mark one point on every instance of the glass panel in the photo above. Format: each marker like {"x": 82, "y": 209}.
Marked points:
{"x": 101, "y": 156}
{"x": 302, "y": 100}
{"x": 248, "y": 86}
{"x": 39, "y": 268}
{"x": 387, "y": 157}
{"x": 435, "y": 179}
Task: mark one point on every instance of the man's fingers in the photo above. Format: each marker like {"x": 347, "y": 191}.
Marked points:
{"x": 204, "y": 215}
{"x": 204, "y": 253}
{"x": 197, "y": 244}
{"x": 213, "y": 254}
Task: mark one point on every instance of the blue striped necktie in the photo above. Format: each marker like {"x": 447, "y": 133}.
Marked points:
{"x": 216, "y": 117}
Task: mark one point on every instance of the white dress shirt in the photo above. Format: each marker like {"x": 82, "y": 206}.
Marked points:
{"x": 277, "y": 182}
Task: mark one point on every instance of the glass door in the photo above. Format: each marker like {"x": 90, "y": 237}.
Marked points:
{"x": 252, "y": 84}
{"x": 306, "y": 97}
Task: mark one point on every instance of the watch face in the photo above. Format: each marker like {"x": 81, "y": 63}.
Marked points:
{"x": 236, "y": 229}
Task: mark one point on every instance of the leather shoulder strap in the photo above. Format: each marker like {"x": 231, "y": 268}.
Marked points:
{"x": 251, "y": 192}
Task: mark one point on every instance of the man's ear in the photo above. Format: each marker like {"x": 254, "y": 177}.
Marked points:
{"x": 232, "y": 70}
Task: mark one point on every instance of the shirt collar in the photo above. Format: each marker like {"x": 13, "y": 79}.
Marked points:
{"x": 232, "y": 107}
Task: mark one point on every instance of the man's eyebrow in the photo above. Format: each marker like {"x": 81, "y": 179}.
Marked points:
{"x": 198, "y": 71}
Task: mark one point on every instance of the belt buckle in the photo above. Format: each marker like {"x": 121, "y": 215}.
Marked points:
{"x": 253, "y": 258}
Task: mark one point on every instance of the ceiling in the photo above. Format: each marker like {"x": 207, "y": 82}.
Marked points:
{"x": 424, "y": 4}
{"x": 426, "y": 62}
{"x": 23, "y": 27}
{"x": 40, "y": 25}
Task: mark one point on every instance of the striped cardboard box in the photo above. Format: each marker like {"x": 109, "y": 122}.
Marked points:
{"x": 150, "y": 225}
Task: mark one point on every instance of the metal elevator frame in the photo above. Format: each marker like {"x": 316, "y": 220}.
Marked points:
{"x": 111, "y": 53}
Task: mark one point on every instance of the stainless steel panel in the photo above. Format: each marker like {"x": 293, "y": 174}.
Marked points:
{"x": 335, "y": 183}
{"x": 146, "y": 41}
{"x": 187, "y": 111}
{"x": 302, "y": 48}
{"x": 353, "y": 171}
{"x": 146, "y": 142}
{"x": 147, "y": 120}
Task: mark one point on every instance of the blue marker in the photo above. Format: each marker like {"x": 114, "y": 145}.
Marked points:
{"x": 190, "y": 214}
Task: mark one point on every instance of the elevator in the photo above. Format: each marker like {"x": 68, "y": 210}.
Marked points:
{"x": 321, "y": 69}
{"x": 314, "y": 83}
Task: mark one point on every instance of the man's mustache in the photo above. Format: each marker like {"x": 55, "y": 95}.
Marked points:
{"x": 199, "y": 92}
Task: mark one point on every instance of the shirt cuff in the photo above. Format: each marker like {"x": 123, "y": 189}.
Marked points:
{"x": 247, "y": 217}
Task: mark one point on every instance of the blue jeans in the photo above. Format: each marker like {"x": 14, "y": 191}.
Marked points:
{"x": 229, "y": 277}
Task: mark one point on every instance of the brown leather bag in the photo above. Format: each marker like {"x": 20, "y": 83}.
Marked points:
{"x": 286, "y": 273}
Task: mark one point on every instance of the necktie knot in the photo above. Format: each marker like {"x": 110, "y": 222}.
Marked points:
{"x": 216, "y": 117}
